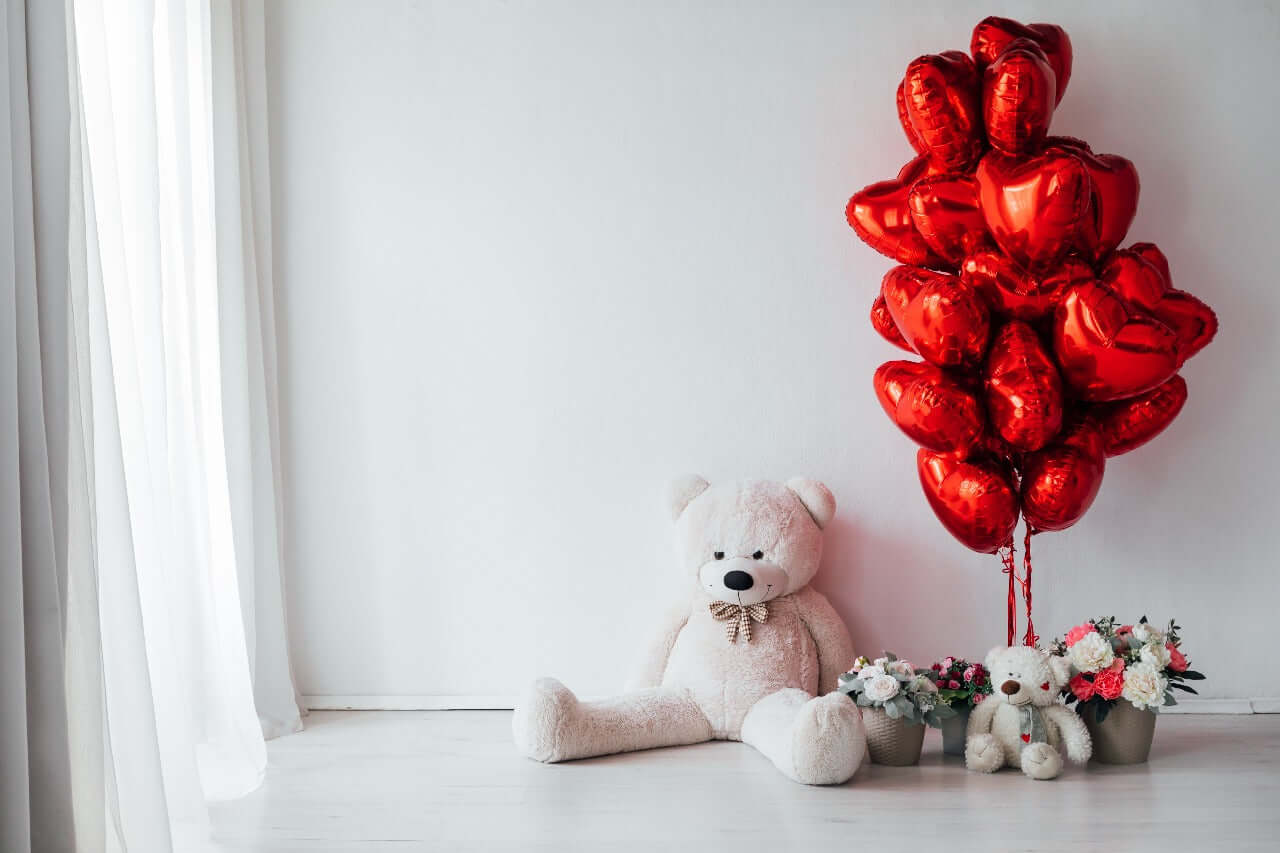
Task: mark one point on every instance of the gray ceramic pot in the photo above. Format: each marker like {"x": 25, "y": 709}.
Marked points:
{"x": 893, "y": 742}
{"x": 953, "y": 732}
{"x": 1124, "y": 735}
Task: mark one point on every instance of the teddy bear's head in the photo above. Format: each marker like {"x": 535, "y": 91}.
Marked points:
{"x": 1022, "y": 675}
{"x": 750, "y": 541}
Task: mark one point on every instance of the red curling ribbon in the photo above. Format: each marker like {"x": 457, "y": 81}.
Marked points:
{"x": 1030, "y": 638}
{"x": 1007, "y": 556}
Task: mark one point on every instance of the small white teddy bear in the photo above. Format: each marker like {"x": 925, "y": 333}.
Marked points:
{"x": 1021, "y": 724}
{"x": 747, "y": 655}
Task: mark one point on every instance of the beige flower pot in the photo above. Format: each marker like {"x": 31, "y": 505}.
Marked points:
{"x": 1124, "y": 735}
{"x": 893, "y": 742}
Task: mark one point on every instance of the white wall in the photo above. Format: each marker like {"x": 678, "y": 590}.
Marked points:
{"x": 535, "y": 258}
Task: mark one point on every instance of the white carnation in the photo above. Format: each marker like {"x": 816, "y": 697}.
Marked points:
{"x": 881, "y": 688}
{"x": 1144, "y": 686}
{"x": 901, "y": 668}
{"x": 1157, "y": 656}
{"x": 1091, "y": 653}
{"x": 1148, "y": 635}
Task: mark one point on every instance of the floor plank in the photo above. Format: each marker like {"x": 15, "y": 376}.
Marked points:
{"x": 451, "y": 780}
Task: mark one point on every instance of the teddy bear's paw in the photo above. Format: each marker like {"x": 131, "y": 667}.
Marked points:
{"x": 828, "y": 740}
{"x": 542, "y": 720}
{"x": 983, "y": 754}
{"x": 1041, "y": 761}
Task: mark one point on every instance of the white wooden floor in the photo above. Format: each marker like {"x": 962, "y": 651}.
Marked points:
{"x": 451, "y": 780}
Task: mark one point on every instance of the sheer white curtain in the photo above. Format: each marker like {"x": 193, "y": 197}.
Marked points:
{"x": 147, "y": 641}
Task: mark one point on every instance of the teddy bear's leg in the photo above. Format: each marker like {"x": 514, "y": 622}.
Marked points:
{"x": 983, "y": 753}
{"x": 1041, "y": 761}
{"x": 550, "y": 724}
{"x": 817, "y": 741}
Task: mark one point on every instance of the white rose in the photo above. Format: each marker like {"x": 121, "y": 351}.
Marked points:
{"x": 923, "y": 685}
{"x": 1144, "y": 686}
{"x": 881, "y": 688}
{"x": 1091, "y": 653}
{"x": 1148, "y": 635}
{"x": 881, "y": 662}
{"x": 900, "y": 667}
{"x": 869, "y": 672}
{"x": 1157, "y": 656}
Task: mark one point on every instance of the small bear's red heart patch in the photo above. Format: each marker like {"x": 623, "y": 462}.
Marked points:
{"x": 1026, "y": 738}
{"x": 1044, "y": 686}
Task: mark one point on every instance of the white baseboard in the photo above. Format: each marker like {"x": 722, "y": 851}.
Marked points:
{"x": 1189, "y": 705}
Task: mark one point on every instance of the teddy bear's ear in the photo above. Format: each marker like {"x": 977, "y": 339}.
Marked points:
{"x": 1061, "y": 668}
{"x": 816, "y": 498}
{"x": 990, "y": 659}
{"x": 682, "y": 491}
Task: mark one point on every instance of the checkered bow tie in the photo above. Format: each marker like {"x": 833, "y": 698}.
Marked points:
{"x": 737, "y": 617}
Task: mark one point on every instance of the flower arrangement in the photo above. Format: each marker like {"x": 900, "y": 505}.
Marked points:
{"x": 1139, "y": 663}
{"x": 895, "y": 686}
{"x": 960, "y": 684}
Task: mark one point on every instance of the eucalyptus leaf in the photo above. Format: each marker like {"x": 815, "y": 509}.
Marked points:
{"x": 891, "y": 710}
{"x": 1169, "y": 700}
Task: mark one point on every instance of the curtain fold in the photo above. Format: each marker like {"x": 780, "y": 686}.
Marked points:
{"x": 143, "y": 647}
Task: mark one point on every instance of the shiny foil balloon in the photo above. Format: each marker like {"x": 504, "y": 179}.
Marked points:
{"x": 1128, "y": 424}
{"x": 1059, "y": 484}
{"x": 1012, "y": 292}
{"x": 1034, "y": 206}
{"x": 974, "y": 500}
{"x": 1135, "y": 279}
{"x": 1107, "y": 350}
{"x": 1080, "y": 430}
{"x": 905, "y": 120}
{"x": 883, "y": 323}
{"x": 892, "y": 378}
{"x": 1113, "y": 197}
{"x": 940, "y": 414}
{"x": 1023, "y": 389}
{"x": 1018, "y": 96}
{"x": 880, "y": 216}
{"x": 1192, "y": 321}
{"x": 947, "y": 215}
{"x": 941, "y": 95}
{"x": 992, "y": 36}
{"x": 943, "y": 319}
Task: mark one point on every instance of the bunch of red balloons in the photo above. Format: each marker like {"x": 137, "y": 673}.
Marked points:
{"x": 1046, "y": 348}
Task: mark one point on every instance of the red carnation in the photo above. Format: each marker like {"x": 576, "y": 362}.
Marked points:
{"x": 1110, "y": 682}
{"x": 1177, "y": 662}
{"x": 1081, "y": 687}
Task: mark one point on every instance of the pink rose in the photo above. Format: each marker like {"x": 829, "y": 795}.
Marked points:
{"x": 1082, "y": 688}
{"x": 953, "y": 684}
{"x": 1124, "y": 630}
{"x": 1110, "y": 682}
{"x": 969, "y": 674}
{"x": 978, "y": 697}
{"x": 946, "y": 662}
{"x": 1079, "y": 632}
{"x": 1177, "y": 662}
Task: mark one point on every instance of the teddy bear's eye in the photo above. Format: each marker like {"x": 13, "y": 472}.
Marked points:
{"x": 719, "y": 555}
{"x": 757, "y": 555}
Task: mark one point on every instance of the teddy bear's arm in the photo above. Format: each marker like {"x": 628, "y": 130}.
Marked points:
{"x": 835, "y": 648}
{"x": 652, "y": 665}
{"x": 980, "y": 718}
{"x": 1074, "y": 734}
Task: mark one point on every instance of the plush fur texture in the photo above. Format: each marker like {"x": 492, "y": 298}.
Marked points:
{"x": 1023, "y": 675}
{"x": 692, "y": 684}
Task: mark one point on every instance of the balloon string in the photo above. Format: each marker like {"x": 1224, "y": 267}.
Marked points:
{"x": 1031, "y": 638}
{"x": 1007, "y": 557}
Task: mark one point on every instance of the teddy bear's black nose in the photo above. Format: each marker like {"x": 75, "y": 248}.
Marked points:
{"x": 1010, "y": 687}
{"x": 738, "y": 580}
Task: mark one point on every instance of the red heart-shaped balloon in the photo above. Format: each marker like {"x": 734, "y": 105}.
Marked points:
{"x": 943, "y": 319}
{"x": 1113, "y": 202}
{"x": 974, "y": 499}
{"x": 882, "y": 322}
{"x": 947, "y": 215}
{"x": 1018, "y": 96}
{"x": 1107, "y": 350}
{"x": 934, "y": 410}
{"x": 1013, "y": 292}
{"x": 1058, "y": 485}
{"x": 1192, "y": 321}
{"x": 880, "y": 216}
{"x": 992, "y": 35}
{"x": 1024, "y": 391}
{"x": 905, "y": 120}
{"x": 1134, "y": 278}
{"x": 1128, "y": 424}
{"x": 1080, "y": 430}
{"x": 941, "y": 95}
{"x": 1034, "y": 207}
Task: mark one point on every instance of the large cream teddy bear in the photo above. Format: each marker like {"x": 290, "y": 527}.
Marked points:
{"x": 1021, "y": 724}
{"x": 743, "y": 655}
